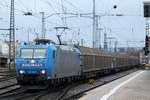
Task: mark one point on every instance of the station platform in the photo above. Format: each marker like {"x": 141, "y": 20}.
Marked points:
{"x": 135, "y": 86}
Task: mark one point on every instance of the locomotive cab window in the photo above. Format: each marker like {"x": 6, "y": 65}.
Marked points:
{"x": 26, "y": 53}
{"x": 39, "y": 53}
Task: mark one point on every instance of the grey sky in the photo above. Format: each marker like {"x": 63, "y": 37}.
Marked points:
{"x": 128, "y": 27}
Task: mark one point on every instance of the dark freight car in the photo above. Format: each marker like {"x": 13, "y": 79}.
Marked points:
{"x": 95, "y": 60}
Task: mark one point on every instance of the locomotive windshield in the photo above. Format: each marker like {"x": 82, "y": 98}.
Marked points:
{"x": 26, "y": 53}
{"x": 39, "y": 53}
{"x": 33, "y": 53}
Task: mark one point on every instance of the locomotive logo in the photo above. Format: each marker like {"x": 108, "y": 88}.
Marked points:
{"x": 30, "y": 65}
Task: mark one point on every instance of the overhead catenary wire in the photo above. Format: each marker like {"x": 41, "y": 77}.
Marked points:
{"x": 22, "y": 11}
{"x": 52, "y": 8}
{"x": 59, "y": 4}
{"x": 34, "y": 14}
{"x": 14, "y": 9}
{"x": 27, "y": 8}
{"x": 73, "y": 6}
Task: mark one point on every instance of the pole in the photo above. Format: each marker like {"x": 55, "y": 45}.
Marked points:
{"x": 99, "y": 38}
{"x": 147, "y": 26}
{"x": 82, "y": 42}
{"x": 105, "y": 40}
{"x": 147, "y": 33}
{"x": 110, "y": 44}
{"x": 127, "y": 45}
{"x": 63, "y": 17}
{"x": 96, "y": 33}
{"x": 111, "y": 38}
{"x": 28, "y": 35}
{"x": 43, "y": 25}
{"x": 94, "y": 26}
{"x": 12, "y": 36}
{"x": 115, "y": 49}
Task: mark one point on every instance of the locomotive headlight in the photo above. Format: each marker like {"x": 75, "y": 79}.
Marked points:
{"x": 21, "y": 71}
{"x": 43, "y": 71}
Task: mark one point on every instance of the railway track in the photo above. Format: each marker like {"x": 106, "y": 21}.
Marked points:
{"x": 8, "y": 86}
{"x": 11, "y": 95}
{"x": 4, "y": 70}
{"x": 20, "y": 94}
{"x": 10, "y": 90}
{"x": 70, "y": 92}
{"x": 54, "y": 94}
{"x": 7, "y": 76}
{"x": 29, "y": 95}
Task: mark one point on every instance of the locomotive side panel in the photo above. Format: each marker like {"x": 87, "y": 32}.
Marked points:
{"x": 67, "y": 64}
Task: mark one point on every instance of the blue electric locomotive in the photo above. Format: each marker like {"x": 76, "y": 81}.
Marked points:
{"x": 49, "y": 64}
{"x": 40, "y": 65}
